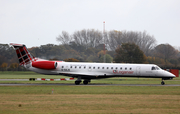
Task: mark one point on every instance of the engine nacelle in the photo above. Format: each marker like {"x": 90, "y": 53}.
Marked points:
{"x": 48, "y": 65}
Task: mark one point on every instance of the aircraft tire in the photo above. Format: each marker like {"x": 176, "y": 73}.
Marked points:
{"x": 31, "y": 79}
{"x": 162, "y": 83}
{"x": 77, "y": 82}
{"x": 85, "y": 82}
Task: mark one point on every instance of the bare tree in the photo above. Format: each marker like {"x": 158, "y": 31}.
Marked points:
{"x": 146, "y": 42}
{"x": 114, "y": 39}
{"x": 64, "y": 38}
{"x": 143, "y": 40}
{"x": 87, "y": 38}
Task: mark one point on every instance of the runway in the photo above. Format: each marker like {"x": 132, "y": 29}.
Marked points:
{"x": 59, "y": 84}
{"x": 72, "y": 84}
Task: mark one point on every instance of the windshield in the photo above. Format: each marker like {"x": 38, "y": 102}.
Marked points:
{"x": 155, "y": 68}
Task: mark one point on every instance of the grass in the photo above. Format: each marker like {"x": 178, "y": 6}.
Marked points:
{"x": 90, "y": 90}
{"x": 89, "y": 99}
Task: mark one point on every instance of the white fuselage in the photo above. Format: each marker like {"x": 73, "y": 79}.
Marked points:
{"x": 103, "y": 70}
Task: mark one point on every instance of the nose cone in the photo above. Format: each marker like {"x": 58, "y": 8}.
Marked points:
{"x": 168, "y": 74}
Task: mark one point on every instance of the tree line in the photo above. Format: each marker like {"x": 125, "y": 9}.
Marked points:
{"x": 90, "y": 38}
{"x": 87, "y": 45}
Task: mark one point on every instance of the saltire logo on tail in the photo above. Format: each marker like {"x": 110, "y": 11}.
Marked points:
{"x": 27, "y": 60}
{"x": 23, "y": 54}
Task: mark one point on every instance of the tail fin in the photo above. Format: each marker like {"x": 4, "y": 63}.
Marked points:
{"x": 23, "y": 54}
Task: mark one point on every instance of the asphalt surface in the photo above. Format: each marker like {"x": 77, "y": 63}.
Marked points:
{"x": 64, "y": 84}
{"x": 14, "y": 79}
{"x": 39, "y": 84}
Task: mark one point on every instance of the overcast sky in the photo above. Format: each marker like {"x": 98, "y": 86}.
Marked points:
{"x": 39, "y": 22}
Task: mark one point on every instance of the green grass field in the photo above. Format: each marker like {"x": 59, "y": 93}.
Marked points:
{"x": 88, "y": 99}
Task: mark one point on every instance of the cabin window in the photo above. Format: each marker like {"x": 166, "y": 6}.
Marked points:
{"x": 98, "y": 67}
{"x": 107, "y": 67}
{"x": 116, "y": 68}
{"x": 71, "y": 67}
{"x": 121, "y": 68}
{"x": 102, "y": 67}
{"x": 125, "y": 68}
{"x": 84, "y": 67}
{"x": 111, "y": 67}
{"x": 93, "y": 67}
{"x": 79, "y": 66}
{"x": 62, "y": 66}
{"x": 89, "y": 67}
{"x": 130, "y": 68}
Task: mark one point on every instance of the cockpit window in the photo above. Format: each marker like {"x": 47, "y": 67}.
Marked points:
{"x": 158, "y": 68}
{"x": 153, "y": 68}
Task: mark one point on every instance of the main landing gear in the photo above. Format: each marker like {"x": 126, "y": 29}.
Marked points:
{"x": 77, "y": 82}
{"x": 85, "y": 82}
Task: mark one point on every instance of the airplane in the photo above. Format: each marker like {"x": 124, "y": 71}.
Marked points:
{"x": 88, "y": 71}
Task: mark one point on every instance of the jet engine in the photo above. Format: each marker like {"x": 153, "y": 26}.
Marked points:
{"x": 48, "y": 65}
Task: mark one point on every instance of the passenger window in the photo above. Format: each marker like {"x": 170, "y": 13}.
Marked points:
{"x": 130, "y": 69}
{"x": 75, "y": 66}
{"x": 102, "y": 67}
{"x": 93, "y": 67}
{"x": 125, "y": 68}
{"x": 98, "y": 67}
{"x": 111, "y": 67}
{"x": 62, "y": 66}
{"x": 121, "y": 68}
{"x": 107, "y": 67}
{"x": 71, "y": 67}
{"x": 79, "y": 66}
{"x": 84, "y": 67}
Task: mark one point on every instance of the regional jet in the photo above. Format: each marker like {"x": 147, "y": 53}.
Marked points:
{"x": 88, "y": 71}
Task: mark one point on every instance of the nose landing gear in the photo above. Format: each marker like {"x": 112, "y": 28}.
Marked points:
{"x": 162, "y": 83}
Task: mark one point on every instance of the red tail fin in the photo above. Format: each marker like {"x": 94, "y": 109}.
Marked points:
{"x": 23, "y": 54}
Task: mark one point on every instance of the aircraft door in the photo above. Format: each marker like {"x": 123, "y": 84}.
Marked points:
{"x": 138, "y": 71}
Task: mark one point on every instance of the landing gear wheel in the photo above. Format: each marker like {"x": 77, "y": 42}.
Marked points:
{"x": 162, "y": 83}
{"x": 85, "y": 82}
{"x": 77, "y": 82}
